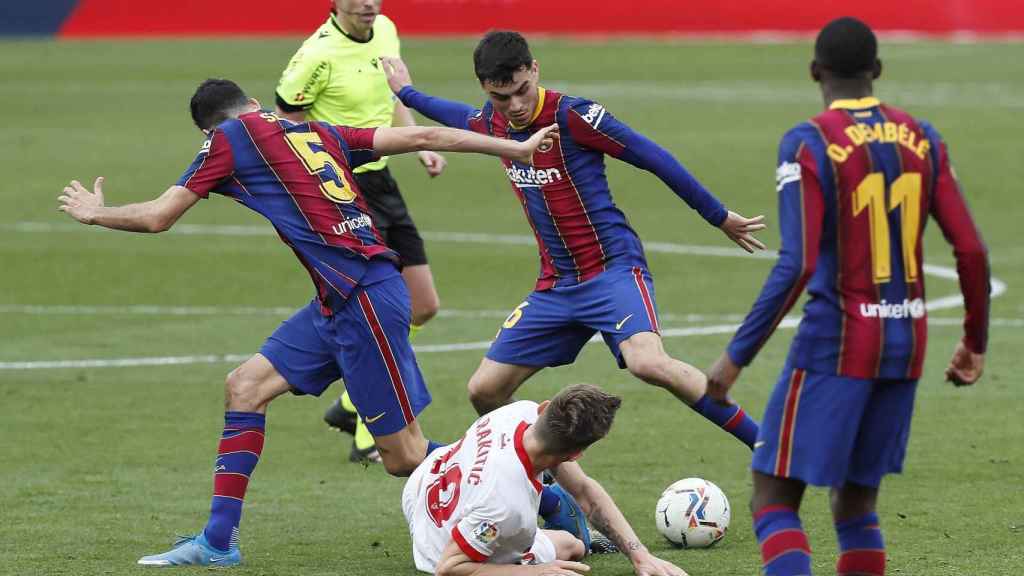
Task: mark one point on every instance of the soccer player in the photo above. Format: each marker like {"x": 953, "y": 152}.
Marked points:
{"x": 593, "y": 273}
{"x": 472, "y": 506}
{"x": 336, "y": 77}
{"x": 856, "y": 184}
{"x": 299, "y": 176}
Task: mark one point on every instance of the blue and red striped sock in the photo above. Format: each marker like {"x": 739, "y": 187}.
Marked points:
{"x": 784, "y": 547}
{"x": 729, "y": 417}
{"x": 240, "y": 446}
{"x": 861, "y": 547}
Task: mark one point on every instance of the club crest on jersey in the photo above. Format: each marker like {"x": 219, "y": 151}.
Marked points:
{"x": 486, "y": 532}
{"x": 594, "y": 115}
{"x": 786, "y": 173}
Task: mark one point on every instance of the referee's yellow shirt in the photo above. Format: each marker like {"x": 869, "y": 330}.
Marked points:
{"x": 339, "y": 80}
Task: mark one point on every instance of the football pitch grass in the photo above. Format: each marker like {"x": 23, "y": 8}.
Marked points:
{"x": 101, "y": 465}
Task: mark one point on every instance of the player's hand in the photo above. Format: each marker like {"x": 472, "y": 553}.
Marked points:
{"x": 396, "y": 72}
{"x": 740, "y": 230}
{"x": 965, "y": 367}
{"x": 433, "y": 162}
{"x": 721, "y": 376}
{"x": 541, "y": 141}
{"x": 560, "y": 568}
{"x": 650, "y": 565}
{"x": 81, "y": 204}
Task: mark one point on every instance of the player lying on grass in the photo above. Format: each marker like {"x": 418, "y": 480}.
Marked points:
{"x": 856, "y": 185}
{"x": 472, "y": 506}
{"x": 299, "y": 176}
{"x": 593, "y": 272}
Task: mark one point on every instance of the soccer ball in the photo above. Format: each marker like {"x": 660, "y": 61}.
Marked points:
{"x": 692, "y": 513}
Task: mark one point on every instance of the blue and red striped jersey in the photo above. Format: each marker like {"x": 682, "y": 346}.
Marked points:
{"x": 856, "y": 185}
{"x": 565, "y": 195}
{"x": 299, "y": 176}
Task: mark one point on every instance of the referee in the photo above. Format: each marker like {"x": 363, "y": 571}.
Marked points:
{"x": 336, "y": 77}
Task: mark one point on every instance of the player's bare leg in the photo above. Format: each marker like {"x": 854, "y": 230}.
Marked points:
{"x": 251, "y": 386}
{"x": 861, "y": 546}
{"x": 645, "y": 358}
{"x": 425, "y": 301}
{"x": 403, "y": 451}
{"x": 775, "y": 505}
{"x": 494, "y": 383}
{"x": 567, "y": 546}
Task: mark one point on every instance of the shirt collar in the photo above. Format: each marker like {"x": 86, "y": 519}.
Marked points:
{"x": 855, "y": 104}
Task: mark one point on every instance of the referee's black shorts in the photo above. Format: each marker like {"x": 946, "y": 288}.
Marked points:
{"x": 391, "y": 216}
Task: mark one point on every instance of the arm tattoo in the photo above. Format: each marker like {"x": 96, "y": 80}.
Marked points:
{"x": 601, "y": 522}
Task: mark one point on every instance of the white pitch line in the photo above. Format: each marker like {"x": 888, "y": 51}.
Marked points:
{"x": 789, "y": 322}
{"x": 945, "y": 272}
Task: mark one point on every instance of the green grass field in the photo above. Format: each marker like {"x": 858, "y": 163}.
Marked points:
{"x": 99, "y": 466}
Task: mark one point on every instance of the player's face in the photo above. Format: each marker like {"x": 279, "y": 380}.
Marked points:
{"x": 358, "y": 15}
{"x": 518, "y": 99}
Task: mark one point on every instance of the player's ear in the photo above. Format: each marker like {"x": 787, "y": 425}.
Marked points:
{"x": 815, "y": 69}
{"x": 535, "y": 68}
{"x": 254, "y": 105}
{"x": 876, "y": 71}
{"x": 543, "y": 406}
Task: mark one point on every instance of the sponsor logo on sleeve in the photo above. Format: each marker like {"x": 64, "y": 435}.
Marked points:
{"x": 485, "y": 532}
{"x": 786, "y": 173}
{"x": 594, "y": 115}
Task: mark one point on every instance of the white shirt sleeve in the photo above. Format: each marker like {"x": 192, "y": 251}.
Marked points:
{"x": 488, "y": 528}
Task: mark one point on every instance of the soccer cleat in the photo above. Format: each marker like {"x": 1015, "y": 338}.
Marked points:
{"x": 568, "y": 517}
{"x": 601, "y": 544}
{"x": 368, "y": 455}
{"x": 193, "y": 551}
{"x": 337, "y": 417}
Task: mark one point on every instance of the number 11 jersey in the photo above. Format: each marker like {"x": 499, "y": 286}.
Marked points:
{"x": 856, "y": 185}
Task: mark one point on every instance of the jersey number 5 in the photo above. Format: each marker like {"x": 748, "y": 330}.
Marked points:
{"x": 904, "y": 193}
{"x": 310, "y": 149}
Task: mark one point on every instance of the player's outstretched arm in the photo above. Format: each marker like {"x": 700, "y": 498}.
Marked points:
{"x": 594, "y": 127}
{"x": 388, "y": 141}
{"x": 454, "y": 562}
{"x": 152, "y": 216}
{"x": 605, "y": 515}
{"x": 447, "y": 112}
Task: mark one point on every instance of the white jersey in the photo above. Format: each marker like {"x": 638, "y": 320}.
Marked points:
{"x": 481, "y": 492}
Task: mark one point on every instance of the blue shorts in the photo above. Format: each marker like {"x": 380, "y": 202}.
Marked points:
{"x": 830, "y": 430}
{"x": 552, "y": 326}
{"x": 366, "y": 342}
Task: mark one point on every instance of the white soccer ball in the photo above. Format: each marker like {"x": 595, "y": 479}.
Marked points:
{"x": 692, "y": 513}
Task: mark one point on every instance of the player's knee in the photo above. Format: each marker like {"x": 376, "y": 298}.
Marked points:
{"x": 649, "y": 367}
{"x": 575, "y": 550}
{"x": 482, "y": 397}
{"x": 423, "y": 312}
{"x": 400, "y": 463}
{"x": 241, "y": 391}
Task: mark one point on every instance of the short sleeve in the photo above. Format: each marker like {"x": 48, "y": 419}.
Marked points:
{"x": 358, "y": 143}
{"x": 213, "y": 164}
{"x": 484, "y": 529}
{"x": 304, "y": 79}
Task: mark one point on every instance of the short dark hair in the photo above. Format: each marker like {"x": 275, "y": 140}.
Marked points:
{"x": 846, "y": 47}
{"x": 214, "y": 101}
{"x": 499, "y": 55}
{"x": 577, "y": 417}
